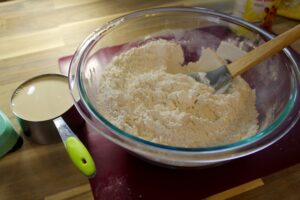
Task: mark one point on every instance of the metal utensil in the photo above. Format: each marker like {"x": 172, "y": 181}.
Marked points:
{"x": 222, "y": 75}
{"x": 53, "y": 129}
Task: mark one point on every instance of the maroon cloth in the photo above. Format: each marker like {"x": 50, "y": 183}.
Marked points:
{"x": 123, "y": 176}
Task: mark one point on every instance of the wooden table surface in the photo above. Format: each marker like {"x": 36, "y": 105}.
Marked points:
{"x": 33, "y": 35}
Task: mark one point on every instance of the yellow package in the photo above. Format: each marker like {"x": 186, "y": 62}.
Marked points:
{"x": 261, "y": 12}
{"x": 290, "y": 8}
{"x": 255, "y": 10}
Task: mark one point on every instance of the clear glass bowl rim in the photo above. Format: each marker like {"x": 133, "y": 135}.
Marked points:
{"x": 76, "y": 80}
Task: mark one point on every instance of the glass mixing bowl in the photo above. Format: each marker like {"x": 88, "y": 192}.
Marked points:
{"x": 276, "y": 80}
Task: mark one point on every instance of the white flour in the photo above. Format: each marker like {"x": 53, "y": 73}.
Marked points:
{"x": 144, "y": 92}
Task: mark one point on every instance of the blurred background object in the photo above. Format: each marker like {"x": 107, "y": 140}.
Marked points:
{"x": 257, "y": 11}
{"x": 290, "y": 8}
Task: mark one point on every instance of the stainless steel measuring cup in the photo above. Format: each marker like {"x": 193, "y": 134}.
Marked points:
{"x": 54, "y": 128}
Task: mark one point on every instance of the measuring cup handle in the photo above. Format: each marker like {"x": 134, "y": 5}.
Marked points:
{"x": 78, "y": 153}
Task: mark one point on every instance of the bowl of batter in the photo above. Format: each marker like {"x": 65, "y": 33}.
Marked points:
{"x": 132, "y": 77}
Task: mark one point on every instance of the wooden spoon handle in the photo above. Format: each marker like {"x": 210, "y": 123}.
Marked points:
{"x": 264, "y": 51}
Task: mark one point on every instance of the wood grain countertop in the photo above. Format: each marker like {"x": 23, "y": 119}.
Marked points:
{"x": 33, "y": 35}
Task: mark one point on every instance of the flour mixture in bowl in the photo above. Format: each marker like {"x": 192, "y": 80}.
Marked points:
{"x": 145, "y": 92}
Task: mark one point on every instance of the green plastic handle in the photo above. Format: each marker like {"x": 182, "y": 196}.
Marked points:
{"x": 80, "y": 156}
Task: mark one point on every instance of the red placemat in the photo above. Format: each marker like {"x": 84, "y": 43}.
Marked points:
{"x": 123, "y": 176}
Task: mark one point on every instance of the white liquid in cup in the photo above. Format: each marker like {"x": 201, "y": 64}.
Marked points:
{"x": 42, "y": 98}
